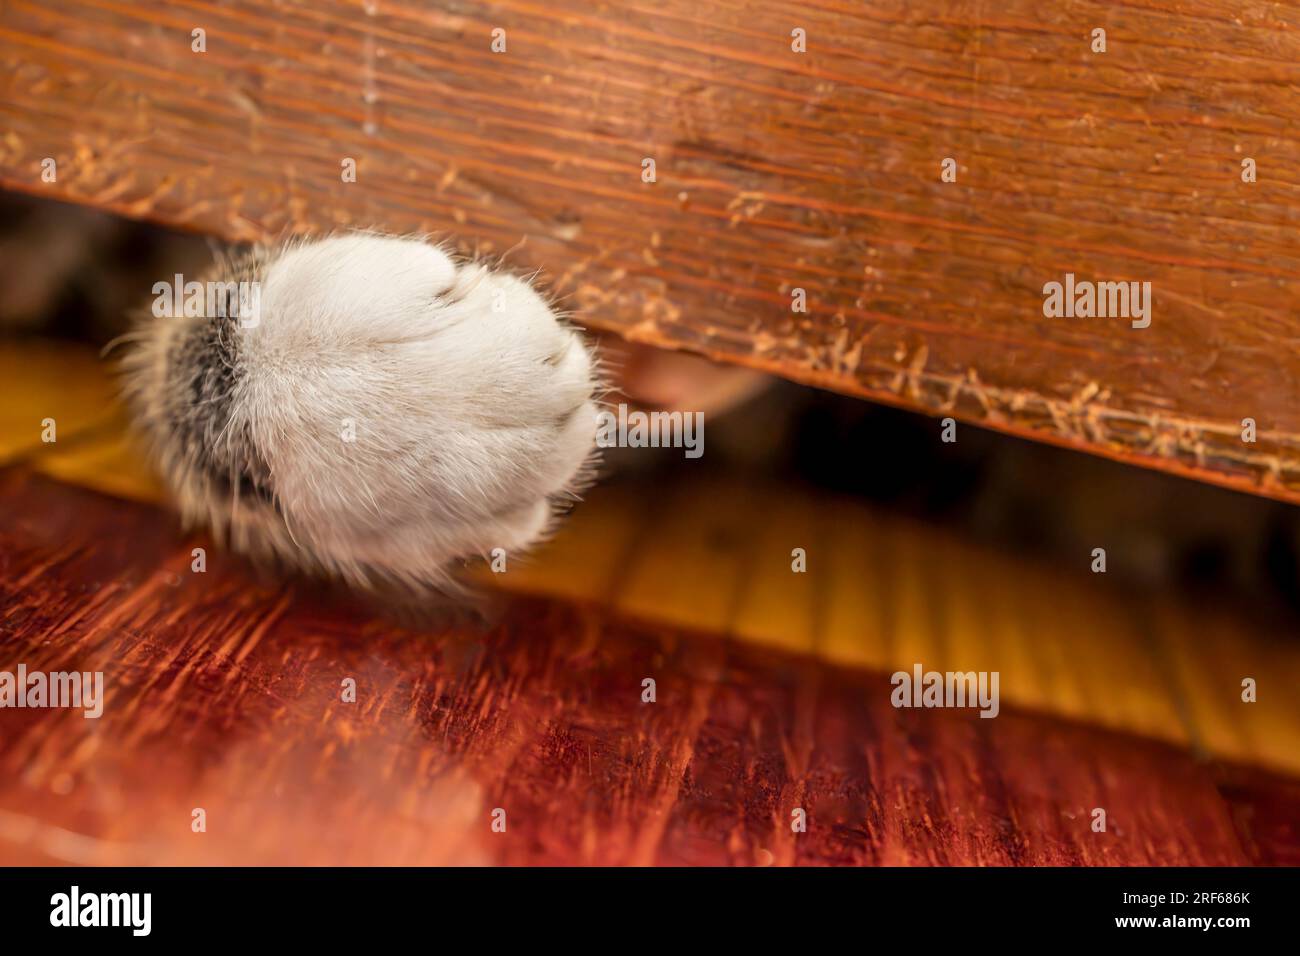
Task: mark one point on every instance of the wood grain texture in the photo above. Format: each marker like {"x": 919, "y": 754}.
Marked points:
{"x": 711, "y": 555}
{"x": 775, "y": 170}
{"x": 223, "y": 693}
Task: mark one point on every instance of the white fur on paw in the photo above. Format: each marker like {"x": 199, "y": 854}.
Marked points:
{"x": 389, "y": 412}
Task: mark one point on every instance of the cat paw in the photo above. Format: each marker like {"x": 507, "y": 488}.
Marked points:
{"x": 375, "y": 409}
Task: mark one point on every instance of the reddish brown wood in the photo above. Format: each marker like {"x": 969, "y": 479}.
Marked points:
{"x": 1265, "y": 814}
{"x": 223, "y": 693}
{"x": 775, "y": 170}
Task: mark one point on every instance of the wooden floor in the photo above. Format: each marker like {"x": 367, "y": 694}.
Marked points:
{"x": 223, "y": 691}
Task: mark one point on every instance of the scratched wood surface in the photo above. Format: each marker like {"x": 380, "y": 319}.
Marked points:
{"x": 223, "y": 693}
{"x": 775, "y": 170}
{"x": 712, "y": 556}
{"x": 223, "y": 688}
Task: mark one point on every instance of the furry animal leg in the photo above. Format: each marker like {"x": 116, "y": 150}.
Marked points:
{"x": 368, "y": 407}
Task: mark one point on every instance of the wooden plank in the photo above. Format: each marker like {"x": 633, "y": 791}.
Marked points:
{"x": 223, "y": 693}
{"x": 712, "y": 555}
{"x": 775, "y": 170}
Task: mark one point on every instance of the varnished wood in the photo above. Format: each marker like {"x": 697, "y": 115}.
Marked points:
{"x": 775, "y": 170}
{"x": 712, "y": 556}
{"x": 223, "y": 693}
